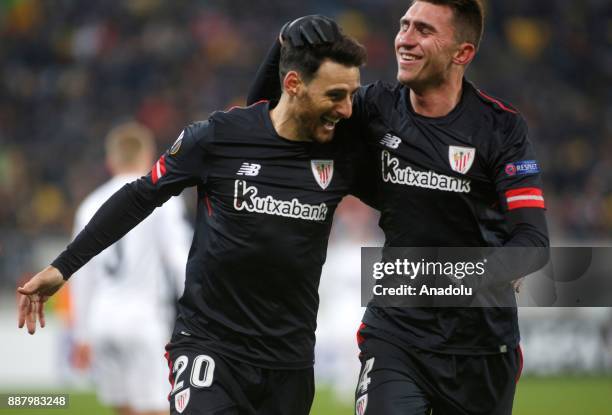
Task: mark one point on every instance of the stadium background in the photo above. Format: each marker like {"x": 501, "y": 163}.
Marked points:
{"x": 70, "y": 70}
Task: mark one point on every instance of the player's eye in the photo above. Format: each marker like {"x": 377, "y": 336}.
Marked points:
{"x": 336, "y": 96}
{"x": 423, "y": 29}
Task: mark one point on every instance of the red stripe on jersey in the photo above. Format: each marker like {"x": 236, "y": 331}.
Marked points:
{"x": 523, "y": 191}
{"x": 525, "y": 197}
{"x": 259, "y": 102}
{"x": 158, "y": 170}
{"x": 360, "y": 338}
{"x": 162, "y": 165}
{"x": 154, "y": 176}
{"x": 498, "y": 102}
{"x": 526, "y": 204}
{"x": 240, "y": 106}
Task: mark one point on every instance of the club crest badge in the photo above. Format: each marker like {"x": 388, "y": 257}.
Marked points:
{"x": 181, "y": 400}
{"x": 177, "y": 144}
{"x": 323, "y": 171}
{"x": 361, "y": 404}
{"x": 461, "y": 158}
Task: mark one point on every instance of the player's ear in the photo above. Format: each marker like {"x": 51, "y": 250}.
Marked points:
{"x": 292, "y": 83}
{"x": 464, "y": 54}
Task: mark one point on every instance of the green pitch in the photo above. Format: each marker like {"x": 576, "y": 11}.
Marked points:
{"x": 561, "y": 396}
{"x": 535, "y": 396}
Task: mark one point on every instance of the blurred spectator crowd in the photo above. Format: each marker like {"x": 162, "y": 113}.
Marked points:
{"x": 70, "y": 70}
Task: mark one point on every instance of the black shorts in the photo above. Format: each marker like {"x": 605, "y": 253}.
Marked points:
{"x": 207, "y": 383}
{"x": 398, "y": 380}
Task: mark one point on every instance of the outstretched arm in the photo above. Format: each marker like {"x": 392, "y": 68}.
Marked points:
{"x": 117, "y": 216}
{"x": 122, "y": 212}
{"x": 178, "y": 168}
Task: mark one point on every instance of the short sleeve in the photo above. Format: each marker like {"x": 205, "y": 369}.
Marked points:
{"x": 183, "y": 164}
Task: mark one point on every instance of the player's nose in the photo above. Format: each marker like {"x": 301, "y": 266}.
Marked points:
{"x": 406, "y": 38}
{"x": 345, "y": 108}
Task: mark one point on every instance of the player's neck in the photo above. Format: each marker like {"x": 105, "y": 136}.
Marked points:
{"x": 437, "y": 101}
{"x": 285, "y": 121}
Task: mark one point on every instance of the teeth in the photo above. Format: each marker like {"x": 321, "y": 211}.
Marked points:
{"x": 407, "y": 57}
{"x": 329, "y": 123}
{"x": 403, "y": 52}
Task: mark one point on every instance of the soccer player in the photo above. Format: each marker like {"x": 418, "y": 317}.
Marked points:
{"x": 269, "y": 179}
{"x": 435, "y": 124}
{"x": 137, "y": 279}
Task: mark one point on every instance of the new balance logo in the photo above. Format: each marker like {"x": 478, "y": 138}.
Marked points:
{"x": 249, "y": 169}
{"x": 391, "y": 141}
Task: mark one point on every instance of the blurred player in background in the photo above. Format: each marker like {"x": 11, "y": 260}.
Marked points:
{"x": 453, "y": 167}
{"x": 269, "y": 179}
{"x": 125, "y": 297}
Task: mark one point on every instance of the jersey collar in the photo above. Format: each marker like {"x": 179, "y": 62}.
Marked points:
{"x": 467, "y": 89}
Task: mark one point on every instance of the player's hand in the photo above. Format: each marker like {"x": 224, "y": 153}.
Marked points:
{"x": 312, "y": 30}
{"x": 34, "y": 294}
{"x": 81, "y": 356}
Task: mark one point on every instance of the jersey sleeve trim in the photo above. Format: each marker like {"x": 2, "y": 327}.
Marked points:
{"x": 158, "y": 170}
{"x": 241, "y": 107}
{"x": 497, "y": 102}
{"x": 525, "y": 197}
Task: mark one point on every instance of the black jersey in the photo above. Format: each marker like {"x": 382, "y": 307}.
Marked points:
{"x": 467, "y": 179}
{"x": 447, "y": 181}
{"x": 264, "y": 216}
{"x": 264, "y": 213}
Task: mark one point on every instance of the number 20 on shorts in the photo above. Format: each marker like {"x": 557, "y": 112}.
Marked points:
{"x": 202, "y": 372}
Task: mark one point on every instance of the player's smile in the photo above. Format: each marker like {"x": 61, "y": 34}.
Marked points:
{"x": 406, "y": 57}
{"x": 326, "y": 126}
{"x": 329, "y": 123}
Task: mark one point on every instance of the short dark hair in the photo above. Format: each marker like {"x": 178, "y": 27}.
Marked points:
{"x": 469, "y": 18}
{"x": 307, "y": 59}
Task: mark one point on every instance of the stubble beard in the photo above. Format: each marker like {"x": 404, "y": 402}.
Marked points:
{"x": 437, "y": 77}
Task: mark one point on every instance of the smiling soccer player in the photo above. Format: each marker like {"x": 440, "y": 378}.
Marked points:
{"x": 269, "y": 178}
{"x": 453, "y": 167}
